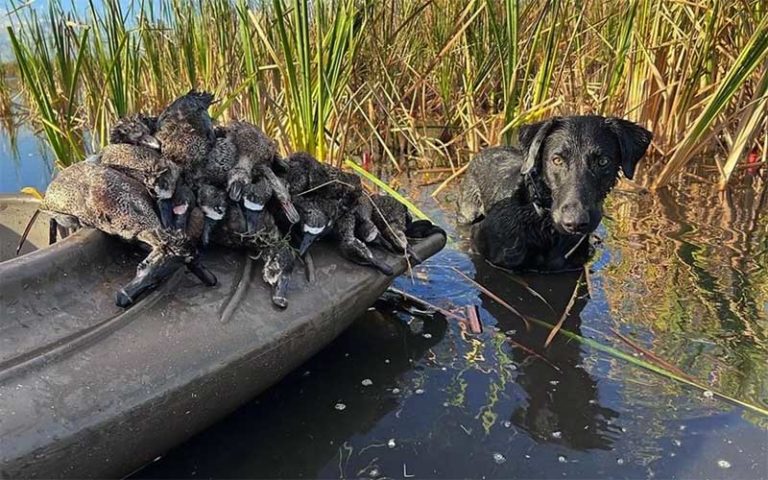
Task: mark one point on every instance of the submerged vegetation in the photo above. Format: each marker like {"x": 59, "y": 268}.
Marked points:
{"x": 405, "y": 83}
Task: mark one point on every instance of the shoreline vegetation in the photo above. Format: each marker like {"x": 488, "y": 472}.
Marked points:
{"x": 399, "y": 84}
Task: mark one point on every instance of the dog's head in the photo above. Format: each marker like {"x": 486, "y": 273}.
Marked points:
{"x": 577, "y": 161}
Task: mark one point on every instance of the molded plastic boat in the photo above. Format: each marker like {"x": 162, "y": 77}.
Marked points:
{"x": 90, "y": 390}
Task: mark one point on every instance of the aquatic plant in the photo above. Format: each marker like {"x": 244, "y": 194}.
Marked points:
{"x": 411, "y": 83}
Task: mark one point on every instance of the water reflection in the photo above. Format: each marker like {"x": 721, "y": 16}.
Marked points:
{"x": 561, "y": 398}
{"x": 323, "y": 406}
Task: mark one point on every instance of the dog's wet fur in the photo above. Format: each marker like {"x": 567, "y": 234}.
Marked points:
{"x": 532, "y": 206}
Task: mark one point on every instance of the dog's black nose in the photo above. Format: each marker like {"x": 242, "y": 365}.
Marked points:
{"x": 575, "y": 219}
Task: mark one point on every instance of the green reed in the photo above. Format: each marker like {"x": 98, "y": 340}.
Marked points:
{"x": 414, "y": 83}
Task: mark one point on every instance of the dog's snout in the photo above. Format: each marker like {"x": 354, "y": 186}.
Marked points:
{"x": 574, "y": 218}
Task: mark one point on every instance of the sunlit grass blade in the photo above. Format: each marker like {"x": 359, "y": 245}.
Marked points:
{"x": 382, "y": 185}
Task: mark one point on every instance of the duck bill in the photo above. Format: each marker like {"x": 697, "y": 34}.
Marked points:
{"x": 254, "y": 220}
{"x": 165, "y": 207}
{"x": 150, "y": 142}
{"x": 208, "y": 226}
{"x": 156, "y": 272}
{"x": 306, "y": 241}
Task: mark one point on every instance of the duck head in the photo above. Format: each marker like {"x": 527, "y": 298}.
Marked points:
{"x": 163, "y": 185}
{"x": 255, "y": 198}
{"x": 183, "y": 202}
{"x": 213, "y": 203}
{"x": 314, "y": 223}
{"x": 135, "y": 130}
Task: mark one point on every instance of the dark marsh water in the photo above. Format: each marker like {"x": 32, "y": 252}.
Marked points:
{"x": 682, "y": 273}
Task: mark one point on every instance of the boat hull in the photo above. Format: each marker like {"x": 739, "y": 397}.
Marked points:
{"x": 90, "y": 390}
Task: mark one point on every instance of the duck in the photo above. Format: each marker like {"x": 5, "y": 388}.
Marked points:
{"x": 392, "y": 220}
{"x": 267, "y": 241}
{"x": 254, "y": 157}
{"x": 183, "y": 202}
{"x": 135, "y": 152}
{"x": 185, "y": 129}
{"x": 214, "y": 205}
{"x": 353, "y": 248}
{"x": 93, "y": 195}
{"x": 321, "y": 193}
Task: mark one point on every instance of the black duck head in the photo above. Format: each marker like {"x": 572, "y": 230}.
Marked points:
{"x": 255, "y": 198}
{"x": 162, "y": 184}
{"x": 213, "y": 203}
{"x": 314, "y": 223}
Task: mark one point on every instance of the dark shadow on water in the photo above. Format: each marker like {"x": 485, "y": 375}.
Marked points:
{"x": 277, "y": 437}
{"x": 562, "y": 404}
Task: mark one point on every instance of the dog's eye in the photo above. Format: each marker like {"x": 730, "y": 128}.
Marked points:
{"x": 603, "y": 161}
{"x": 557, "y": 160}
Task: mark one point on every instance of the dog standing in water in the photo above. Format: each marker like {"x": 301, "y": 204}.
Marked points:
{"x": 532, "y": 207}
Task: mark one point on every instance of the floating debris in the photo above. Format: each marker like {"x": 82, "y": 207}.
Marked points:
{"x": 499, "y": 458}
{"x": 554, "y": 382}
{"x": 427, "y": 335}
{"x": 708, "y": 394}
{"x": 562, "y": 459}
{"x": 620, "y": 461}
{"x": 367, "y": 382}
{"x": 374, "y": 472}
{"x": 507, "y": 424}
{"x": 391, "y": 443}
{"x": 395, "y": 391}
{"x": 676, "y": 442}
{"x": 723, "y": 463}
{"x": 557, "y": 434}
{"x": 340, "y": 406}
{"x": 419, "y": 391}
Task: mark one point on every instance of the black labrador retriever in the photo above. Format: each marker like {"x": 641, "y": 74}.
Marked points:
{"x": 532, "y": 207}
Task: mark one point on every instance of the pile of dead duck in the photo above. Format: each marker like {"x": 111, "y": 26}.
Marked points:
{"x": 178, "y": 184}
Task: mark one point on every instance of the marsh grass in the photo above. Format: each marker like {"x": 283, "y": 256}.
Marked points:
{"x": 409, "y": 83}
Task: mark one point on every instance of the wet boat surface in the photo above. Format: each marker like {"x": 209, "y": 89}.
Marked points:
{"x": 91, "y": 390}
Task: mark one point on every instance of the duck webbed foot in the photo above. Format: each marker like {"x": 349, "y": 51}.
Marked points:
{"x": 157, "y": 267}
{"x": 280, "y": 193}
{"x": 356, "y": 251}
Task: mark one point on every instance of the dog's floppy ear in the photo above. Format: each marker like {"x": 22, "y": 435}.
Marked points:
{"x": 633, "y": 142}
{"x": 531, "y": 138}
